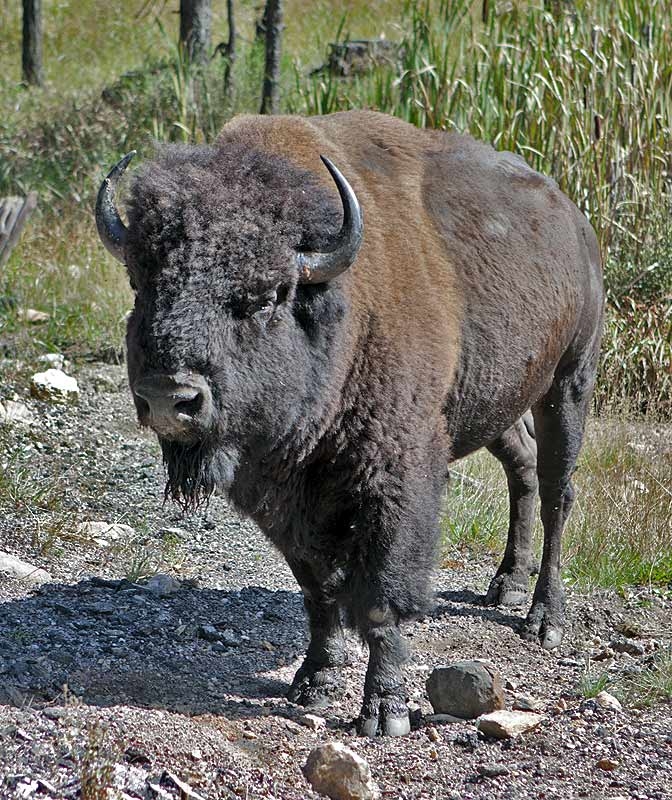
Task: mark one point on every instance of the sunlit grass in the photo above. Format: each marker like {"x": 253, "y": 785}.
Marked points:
{"x": 620, "y": 529}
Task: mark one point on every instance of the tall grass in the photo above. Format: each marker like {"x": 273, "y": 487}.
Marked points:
{"x": 584, "y": 94}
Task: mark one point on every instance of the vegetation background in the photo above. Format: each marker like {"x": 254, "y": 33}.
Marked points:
{"x": 582, "y": 90}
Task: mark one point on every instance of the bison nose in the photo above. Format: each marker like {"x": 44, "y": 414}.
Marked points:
{"x": 176, "y": 406}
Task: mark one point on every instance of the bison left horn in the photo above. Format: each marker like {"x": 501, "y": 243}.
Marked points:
{"x": 111, "y": 229}
{"x": 341, "y": 251}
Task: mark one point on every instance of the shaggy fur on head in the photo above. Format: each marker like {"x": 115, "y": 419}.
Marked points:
{"x": 212, "y": 233}
{"x": 236, "y": 213}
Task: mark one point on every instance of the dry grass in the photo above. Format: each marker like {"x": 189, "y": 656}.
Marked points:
{"x": 620, "y": 530}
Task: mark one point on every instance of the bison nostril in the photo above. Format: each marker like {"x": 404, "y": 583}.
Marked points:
{"x": 174, "y": 405}
{"x": 190, "y": 407}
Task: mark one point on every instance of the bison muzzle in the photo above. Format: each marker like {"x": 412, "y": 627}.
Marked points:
{"x": 321, "y": 343}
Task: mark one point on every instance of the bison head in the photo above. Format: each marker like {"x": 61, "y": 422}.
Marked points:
{"x": 230, "y": 252}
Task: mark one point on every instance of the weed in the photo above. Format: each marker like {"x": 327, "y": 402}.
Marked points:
{"x": 96, "y": 764}
{"x": 476, "y": 513}
{"x": 591, "y": 683}
{"x": 653, "y": 684}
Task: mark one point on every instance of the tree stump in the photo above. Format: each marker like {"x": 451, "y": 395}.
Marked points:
{"x": 14, "y": 213}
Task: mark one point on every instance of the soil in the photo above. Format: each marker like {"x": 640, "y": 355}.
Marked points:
{"x": 107, "y": 682}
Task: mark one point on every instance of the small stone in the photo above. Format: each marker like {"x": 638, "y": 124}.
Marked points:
{"x": 53, "y": 360}
{"x": 433, "y": 735}
{"x": 492, "y": 770}
{"x": 507, "y": 724}
{"x": 621, "y": 644}
{"x": 608, "y": 701}
{"x": 103, "y": 533}
{"x": 226, "y": 637}
{"x": 32, "y": 315}
{"x": 335, "y": 770}
{"x": 313, "y": 722}
{"x": 13, "y": 412}
{"x": 604, "y": 654}
{"x": 172, "y": 533}
{"x": 523, "y": 702}
{"x": 249, "y": 735}
{"x": 443, "y": 719}
{"x": 23, "y": 570}
{"x": 607, "y": 764}
{"x": 465, "y": 689}
{"x": 55, "y": 386}
{"x": 53, "y": 713}
{"x": 162, "y": 585}
{"x": 170, "y": 779}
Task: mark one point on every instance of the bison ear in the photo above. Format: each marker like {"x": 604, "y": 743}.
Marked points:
{"x": 341, "y": 252}
{"x": 111, "y": 229}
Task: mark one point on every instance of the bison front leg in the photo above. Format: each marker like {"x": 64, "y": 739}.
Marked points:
{"x": 384, "y": 711}
{"x": 319, "y": 681}
{"x": 393, "y": 584}
{"x": 516, "y": 449}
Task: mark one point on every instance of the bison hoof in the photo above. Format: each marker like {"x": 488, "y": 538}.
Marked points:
{"x": 543, "y": 625}
{"x": 507, "y": 590}
{"x": 315, "y": 687}
{"x": 386, "y": 716}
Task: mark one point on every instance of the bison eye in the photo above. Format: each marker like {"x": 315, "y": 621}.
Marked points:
{"x": 262, "y": 310}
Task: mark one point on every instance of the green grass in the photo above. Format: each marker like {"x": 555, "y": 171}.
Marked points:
{"x": 593, "y": 683}
{"x": 653, "y": 685}
{"x": 620, "y": 530}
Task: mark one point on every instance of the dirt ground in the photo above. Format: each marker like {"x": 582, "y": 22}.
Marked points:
{"x": 104, "y": 682}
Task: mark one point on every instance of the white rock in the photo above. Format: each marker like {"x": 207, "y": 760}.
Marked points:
{"x": 32, "y": 315}
{"x": 313, "y": 722}
{"x": 53, "y": 360}
{"x": 54, "y": 385}
{"x": 103, "y": 533}
{"x": 507, "y": 724}
{"x": 608, "y": 701}
{"x": 15, "y": 412}
{"x": 21, "y": 569}
{"x": 335, "y": 770}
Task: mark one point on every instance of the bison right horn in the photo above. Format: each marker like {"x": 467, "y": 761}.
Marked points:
{"x": 341, "y": 251}
{"x": 111, "y": 229}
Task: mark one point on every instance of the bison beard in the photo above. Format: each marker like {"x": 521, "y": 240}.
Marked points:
{"x": 195, "y": 471}
{"x": 330, "y": 379}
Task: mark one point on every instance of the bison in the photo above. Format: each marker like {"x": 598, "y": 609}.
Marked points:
{"x": 320, "y": 344}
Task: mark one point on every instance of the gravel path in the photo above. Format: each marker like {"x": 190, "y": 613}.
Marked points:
{"x": 107, "y": 679}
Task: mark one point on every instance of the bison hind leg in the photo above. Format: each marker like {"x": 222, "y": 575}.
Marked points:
{"x": 516, "y": 449}
{"x": 559, "y": 420}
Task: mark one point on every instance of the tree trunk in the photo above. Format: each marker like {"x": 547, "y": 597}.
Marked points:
{"x": 195, "y": 22}
{"x": 14, "y": 213}
{"x": 230, "y": 48}
{"x": 32, "y": 42}
{"x": 273, "y": 23}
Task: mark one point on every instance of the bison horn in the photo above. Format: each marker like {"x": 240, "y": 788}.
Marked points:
{"x": 341, "y": 251}
{"x": 111, "y": 229}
